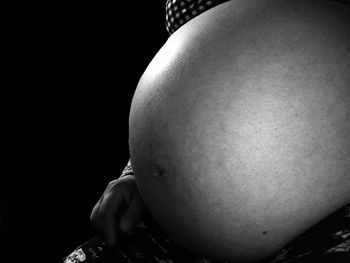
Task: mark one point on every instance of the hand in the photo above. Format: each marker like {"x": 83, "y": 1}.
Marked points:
{"x": 119, "y": 209}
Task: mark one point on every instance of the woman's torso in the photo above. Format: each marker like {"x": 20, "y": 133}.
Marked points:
{"x": 239, "y": 127}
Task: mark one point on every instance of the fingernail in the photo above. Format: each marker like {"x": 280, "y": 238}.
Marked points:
{"x": 125, "y": 226}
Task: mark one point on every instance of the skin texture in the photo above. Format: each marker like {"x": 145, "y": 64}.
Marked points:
{"x": 239, "y": 127}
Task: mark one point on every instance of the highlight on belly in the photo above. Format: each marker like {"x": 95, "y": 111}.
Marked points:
{"x": 239, "y": 127}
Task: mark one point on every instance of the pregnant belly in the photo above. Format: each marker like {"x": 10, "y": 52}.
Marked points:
{"x": 239, "y": 127}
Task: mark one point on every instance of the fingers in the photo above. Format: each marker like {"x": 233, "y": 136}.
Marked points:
{"x": 94, "y": 217}
{"x": 94, "y": 213}
{"x": 119, "y": 208}
{"x": 107, "y": 215}
{"x": 104, "y": 213}
{"x": 132, "y": 214}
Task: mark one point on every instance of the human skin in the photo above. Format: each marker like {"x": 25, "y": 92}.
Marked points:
{"x": 240, "y": 126}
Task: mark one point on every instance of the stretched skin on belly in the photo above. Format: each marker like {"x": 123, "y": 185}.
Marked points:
{"x": 239, "y": 127}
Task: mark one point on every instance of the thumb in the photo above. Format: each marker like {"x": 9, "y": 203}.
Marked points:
{"x": 132, "y": 214}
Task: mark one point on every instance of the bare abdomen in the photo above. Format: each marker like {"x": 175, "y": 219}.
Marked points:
{"x": 239, "y": 128}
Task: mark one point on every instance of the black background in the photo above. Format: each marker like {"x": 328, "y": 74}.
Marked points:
{"x": 113, "y": 49}
{"x": 73, "y": 71}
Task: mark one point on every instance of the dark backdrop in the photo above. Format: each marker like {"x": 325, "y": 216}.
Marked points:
{"x": 111, "y": 47}
{"x": 75, "y": 69}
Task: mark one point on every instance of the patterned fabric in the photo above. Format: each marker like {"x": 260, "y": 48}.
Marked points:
{"x": 127, "y": 170}
{"x": 95, "y": 250}
{"x": 178, "y": 12}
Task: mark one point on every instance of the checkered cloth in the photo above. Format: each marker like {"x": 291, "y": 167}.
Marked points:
{"x": 178, "y": 12}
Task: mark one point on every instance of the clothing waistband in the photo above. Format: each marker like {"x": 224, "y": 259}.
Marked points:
{"x": 178, "y": 12}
